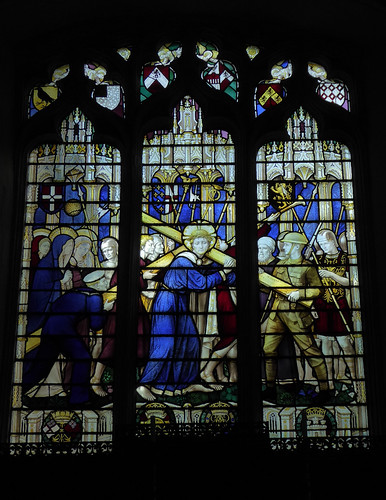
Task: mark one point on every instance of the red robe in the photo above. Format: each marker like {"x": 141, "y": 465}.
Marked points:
{"x": 226, "y": 308}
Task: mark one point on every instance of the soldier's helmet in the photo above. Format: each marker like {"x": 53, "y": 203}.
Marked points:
{"x": 294, "y": 237}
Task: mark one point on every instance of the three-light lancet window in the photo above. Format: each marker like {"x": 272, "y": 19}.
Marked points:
{"x": 309, "y": 328}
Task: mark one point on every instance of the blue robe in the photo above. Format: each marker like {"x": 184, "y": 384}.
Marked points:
{"x": 60, "y": 336}
{"x": 46, "y": 285}
{"x": 175, "y": 345}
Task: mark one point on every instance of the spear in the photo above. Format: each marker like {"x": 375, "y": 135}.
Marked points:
{"x": 300, "y": 201}
{"x": 317, "y": 263}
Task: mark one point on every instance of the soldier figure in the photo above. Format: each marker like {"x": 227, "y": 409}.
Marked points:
{"x": 291, "y": 314}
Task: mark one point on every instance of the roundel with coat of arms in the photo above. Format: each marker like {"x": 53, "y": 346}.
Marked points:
{"x": 316, "y": 422}
{"x": 61, "y": 427}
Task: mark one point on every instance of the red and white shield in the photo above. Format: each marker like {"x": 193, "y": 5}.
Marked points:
{"x": 51, "y": 197}
{"x": 157, "y": 77}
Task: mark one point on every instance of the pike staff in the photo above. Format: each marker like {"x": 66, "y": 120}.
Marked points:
{"x": 186, "y": 189}
{"x": 313, "y": 194}
{"x": 311, "y": 252}
{"x": 339, "y": 219}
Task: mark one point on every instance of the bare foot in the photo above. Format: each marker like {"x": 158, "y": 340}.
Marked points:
{"x": 197, "y": 388}
{"x": 209, "y": 379}
{"x": 145, "y": 393}
{"x": 97, "y": 388}
{"x": 99, "y": 391}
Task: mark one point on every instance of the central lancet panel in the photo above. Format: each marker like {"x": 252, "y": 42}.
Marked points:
{"x": 187, "y": 345}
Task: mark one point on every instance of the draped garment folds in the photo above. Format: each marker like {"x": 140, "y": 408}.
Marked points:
{"x": 107, "y": 353}
{"x": 175, "y": 345}
{"x": 226, "y": 308}
{"x": 143, "y": 319}
{"x": 46, "y": 285}
{"x": 60, "y": 336}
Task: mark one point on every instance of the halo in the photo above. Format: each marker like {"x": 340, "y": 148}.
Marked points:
{"x": 62, "y": 230}
{"x": 41, "y": 231}
{"x": 87, "y": 232}
{"x": 199, "y": 228}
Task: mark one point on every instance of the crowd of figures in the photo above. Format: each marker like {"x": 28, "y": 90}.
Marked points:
{"x": 188, "y": 326}
{"x": 187, "y": 335}
{"x": 71, "y": 318}
{"x": 188, "y": 320}
{"x": 306, "y": 321}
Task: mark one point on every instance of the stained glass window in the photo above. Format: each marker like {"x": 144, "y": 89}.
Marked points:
{"x": 187, "y": 329}
{"x": 42, "y": 96}
{"x": 252, "y": 51}
{"x": 333, "y": 91}
{"x": 63, "y": 378}
{"x": 271, "y": 92}
{"x": 219, "y": 74}
{"x": 158, "y": 75}
{"x": 106, "y": 93}
{"x": 311, "y": 328}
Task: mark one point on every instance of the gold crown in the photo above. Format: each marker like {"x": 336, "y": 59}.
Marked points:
{"x": 316, "y": 412}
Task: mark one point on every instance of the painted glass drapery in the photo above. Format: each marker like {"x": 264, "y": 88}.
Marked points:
{"x": 310, "y": 322}
{"x": 63, "y": 376}
{"x": 187, "y": 340}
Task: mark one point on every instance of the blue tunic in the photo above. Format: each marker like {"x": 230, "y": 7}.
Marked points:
{"x": 175, "y": 345}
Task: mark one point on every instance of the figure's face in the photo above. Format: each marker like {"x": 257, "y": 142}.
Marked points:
{"x": 200, "y": 246}
{"x": 328, "y": 246}
{"x": 148, "y": 247}
{"x": 81, "y": 250}
{"x": 287, "y": 248}
{"x": 108, "y": 251}
{"x": 66, "y": 252}
{"x": 44, "y": 248}
{"x": 263, "y": 253}
{"x": 158, "y": 246}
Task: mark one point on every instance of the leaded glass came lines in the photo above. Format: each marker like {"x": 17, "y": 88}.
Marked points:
{"x": 311, "y": 329}
{"x": 63, "y": 377}
{"x": 187, "y": 341}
